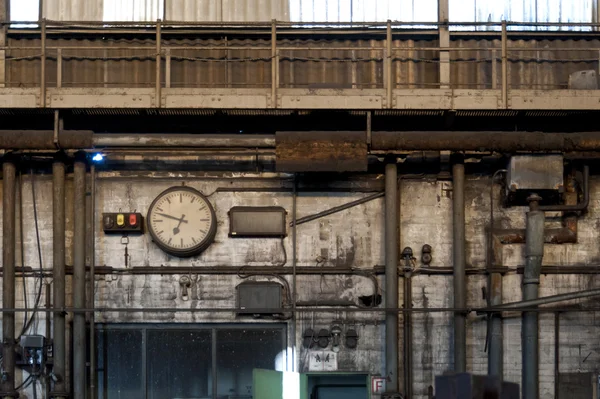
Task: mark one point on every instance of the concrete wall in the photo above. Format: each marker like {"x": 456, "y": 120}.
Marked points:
{"x": 353, "y": 238}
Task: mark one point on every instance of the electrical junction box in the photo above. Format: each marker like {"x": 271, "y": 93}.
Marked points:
{"x": 253, "y": 297}
{"x": 540, "y": 174}
{"x": 32, "y": 347}
{"x": 253, "y": 221}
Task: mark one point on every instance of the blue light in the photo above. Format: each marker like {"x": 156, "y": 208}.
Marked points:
{"x": 98, "y": 157}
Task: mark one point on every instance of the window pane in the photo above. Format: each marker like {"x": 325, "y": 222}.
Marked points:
{"x": 179, "y": 364}
{"x": 239, "y": 351}
{"x": 133, "y": 10}
{"x": 24, "y": 10}
{"x": 119, "y": 364}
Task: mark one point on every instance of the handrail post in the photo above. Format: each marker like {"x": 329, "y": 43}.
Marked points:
{"x": 504, "y": 66}
{"x": 388, "y": 64}
{"x": 59, "y": 62}
{"x": 274, "y": 64}
{"x": 157, "y": 94}
{"x": 43, "y": 64}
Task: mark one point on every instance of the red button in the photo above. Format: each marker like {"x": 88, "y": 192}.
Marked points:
{"x": 132, "y": 219}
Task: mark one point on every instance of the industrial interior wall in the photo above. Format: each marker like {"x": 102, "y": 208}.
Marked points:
{"x": 354, "y": 239}
{"x": 317, "y": 66}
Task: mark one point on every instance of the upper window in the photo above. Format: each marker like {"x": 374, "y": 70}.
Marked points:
{"x": 551, "y": 11}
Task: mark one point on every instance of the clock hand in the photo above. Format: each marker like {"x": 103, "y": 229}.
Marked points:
{"x": 172, "y": 217}
{"x": 176, "y": 229}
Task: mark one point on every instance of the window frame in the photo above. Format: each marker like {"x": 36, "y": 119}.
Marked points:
{"x": 213, "y": 328}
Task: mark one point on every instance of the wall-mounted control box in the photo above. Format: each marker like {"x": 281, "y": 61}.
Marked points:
{"x": 122, "y": 222}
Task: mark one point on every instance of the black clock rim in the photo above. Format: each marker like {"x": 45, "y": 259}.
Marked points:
{"x": 201, "y": 246}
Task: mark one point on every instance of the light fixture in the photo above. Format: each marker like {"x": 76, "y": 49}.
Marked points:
{"x": 351, "y": 339}
{"x": 98, "y": 157}
{"x": 323, "y": 338}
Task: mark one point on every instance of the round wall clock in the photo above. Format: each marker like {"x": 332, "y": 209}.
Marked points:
{"x": 182, "y": 221}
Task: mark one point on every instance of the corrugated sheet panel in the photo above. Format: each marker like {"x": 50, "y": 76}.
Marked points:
{"x": 73, "y": 10}
{"x": 317, "y": 67}
{"x": 363, "y": 10}
{"x": 521, "y": 11}
{"x": 227, "y": 10}
{"x": 132, "y": 10}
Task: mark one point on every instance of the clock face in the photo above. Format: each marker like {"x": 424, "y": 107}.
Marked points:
{"x": 182, "y": 221}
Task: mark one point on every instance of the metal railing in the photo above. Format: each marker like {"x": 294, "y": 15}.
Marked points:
{"x": 391, "y": 49}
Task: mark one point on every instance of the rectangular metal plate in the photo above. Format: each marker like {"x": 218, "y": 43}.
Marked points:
{"x": 535, "y": 172}
{"x": 321, "y": 151}
{"x": 252, "y": 221}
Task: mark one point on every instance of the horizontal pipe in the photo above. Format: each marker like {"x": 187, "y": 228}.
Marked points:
{"x": 336, "y": 209}
{"x": 184, "y": 140}
{"x": 582, "y": 206}
{"x": 44, "y": 139}
{"x": 320, "y": 309}
{"x": 547, "y": 300}
{"x": 485, "y": 141}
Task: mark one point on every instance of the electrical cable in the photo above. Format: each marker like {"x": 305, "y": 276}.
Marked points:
{"x": 39, "y": 249}
{"x": 26, "y": 316}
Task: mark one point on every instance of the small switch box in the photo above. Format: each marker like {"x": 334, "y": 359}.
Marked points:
{"x": 123, "y": 222}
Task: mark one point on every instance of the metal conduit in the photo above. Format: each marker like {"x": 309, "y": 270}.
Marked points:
{"x": 184, "y": 140}
{"x": 79, "y": 338}
{"x": 58, "y": 236}
{"x": 534, "y": 251}
{"x": 391, "y": 274}
{"x": 458, "y": 222}
{"x": 8, "y": 281}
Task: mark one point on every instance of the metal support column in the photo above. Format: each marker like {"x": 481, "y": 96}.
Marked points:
{"x": 504, "y": 65}
{"x": 8, "y": 280}
{"x": 444, "y": 31}
{"x": 79, "y": 338}
{"x": 4, "y": 14}
{"x": 494, "y": 297}
{"x": 534, "y": 251}
{"x": 391, "y": 274}
{"x": 458, "y": 221}
{"x": 58, "y": 274}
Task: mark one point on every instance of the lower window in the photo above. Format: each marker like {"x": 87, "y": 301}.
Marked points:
{"x": 149, "y": 361}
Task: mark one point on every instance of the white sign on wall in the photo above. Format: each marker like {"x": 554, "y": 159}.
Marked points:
{"x": 322, "y": 361}
{"x": 377, "y": 385}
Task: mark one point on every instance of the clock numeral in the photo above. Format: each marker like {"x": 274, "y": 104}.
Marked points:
{"x": 157, "y": 220}
{"x": 204, "y": 220}
{"x": 170, "y": 239}
{"x": 203, "y": 231}
{"x": 182, "y": 243}
{"x": 203, "y": 207}
{"x": 168, "y": 200}
{"x": 159, "y": 209}
{"x": 195, "y": 242}
{"x": 193, "y": 199}
{"x": 180, "y": 198}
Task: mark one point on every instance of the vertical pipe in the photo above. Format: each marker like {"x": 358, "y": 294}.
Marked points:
{"x": 168, "y": 68}
{"x": 79, "y": 347}
{"x": 157, "y": 93}
{"x": 294, "y": 277}
{"x": 43, "y": 65}
{"x": 407, "y": 324}
{"x": 48, "y": 330}
{"x": 504, "y": 66}
{"x": 458, "y": 222}
{"x": 391, "y": 273}
{"x": 388, "y": 64}
{"x": 93, "y": 287}
{"x": 58, "y": 274}
{"x": 556, "y": 352}
{"x": 496, "y": 345}
{"x": 59, "y": 63}
{"x": 534, "y": 250}
{"x": 8, "y": 281}
{"x": 274, "y": 65}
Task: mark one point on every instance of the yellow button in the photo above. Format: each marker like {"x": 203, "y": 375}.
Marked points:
{"x": 120, "y": 220}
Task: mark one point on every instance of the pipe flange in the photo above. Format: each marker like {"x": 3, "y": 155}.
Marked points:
{"x": 531, "y": 281}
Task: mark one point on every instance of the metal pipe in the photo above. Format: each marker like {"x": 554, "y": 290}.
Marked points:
{"x": 184, "y": 140}
{"x": 530, "y": 303}
{"x": 534, "y": 251}
{"x": 8, "y": 281}
{"x": 391, "y": 274}
{"x": 582, "y": 206}
{"x": 485, "y": 141}
{"x": 556, "y": 352}
{"x": 294, "y": 272}
{"x": 93, "y": 286}
{"x": 157, "y": 92}
{"x": 504, "y": 41}
{"x": 458, "y": 223}
{"x": 408, "y": 347}
{"x": 336, "y": 209}
{"x": 45, "y": 139}
{"x": 79, "y": 347}
{"x": 58, "y": 237}
{"x": 496, "y": 344}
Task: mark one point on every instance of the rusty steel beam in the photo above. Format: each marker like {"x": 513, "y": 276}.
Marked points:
{"x": 44, "y": 139}
{"x": 563, "y": 235}
{"x": 148, "y": 140}
{"x": 321, "y": 152}
{"x": 485, "y": 141}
